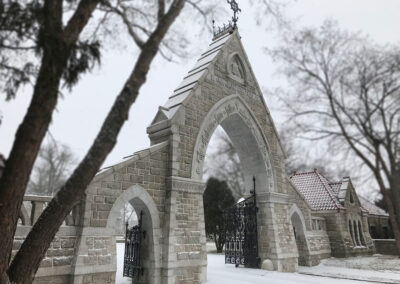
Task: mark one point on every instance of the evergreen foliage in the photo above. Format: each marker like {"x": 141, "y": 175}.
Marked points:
{"x": 217, "y": 197}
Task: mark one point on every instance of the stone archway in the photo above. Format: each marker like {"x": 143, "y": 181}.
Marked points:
{"x": 140, "y": 199}
{"x": 220, "y": 90}
{"x": 299, "y": 231}
{"x": 236, "y": 118}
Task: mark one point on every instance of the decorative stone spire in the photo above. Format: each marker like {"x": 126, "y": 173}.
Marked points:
{"x": 235, "y": 8}
{"x": 232, "y": 25}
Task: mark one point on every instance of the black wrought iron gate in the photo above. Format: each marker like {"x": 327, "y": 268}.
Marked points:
{"x": 241, "y": 246}
{"x": 133, "y": 239}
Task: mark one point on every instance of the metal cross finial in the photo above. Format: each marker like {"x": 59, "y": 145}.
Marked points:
{"x": 235, "y": 8}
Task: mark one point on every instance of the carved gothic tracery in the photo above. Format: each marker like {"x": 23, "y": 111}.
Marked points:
{"x": 237, "y": 67}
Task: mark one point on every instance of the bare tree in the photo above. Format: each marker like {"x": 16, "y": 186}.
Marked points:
{"x": 43, "y": 43}
{"x": 223, "y": 163}
{"x": 298, "y": 158}
{"x": 62, "y": 57}
{"x": 346, "y": 92}
{"x": 51, "y": 169}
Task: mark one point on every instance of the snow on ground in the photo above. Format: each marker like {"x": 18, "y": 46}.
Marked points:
{"x": 219, "y": 273}
{"x": 328, "y": 272}
{"x": 377, "y": 262}
{"x": 379, "y": 268}
{"x": 119, "y": 279}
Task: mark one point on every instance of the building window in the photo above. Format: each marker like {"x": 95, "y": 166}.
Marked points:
{"x": 314, "y": 225}
{"x": 351, "y": 198}
{"x": 360, "y": 230}
{"x": 356, "y": 234}
{"x": 351, "y": 232}
{"x": 373, "y": 232}
{"x": 385, "y": 232}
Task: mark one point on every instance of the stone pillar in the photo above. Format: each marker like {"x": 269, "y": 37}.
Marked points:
{"x": 275, "y": 234}
{"x": 184, "y": 248}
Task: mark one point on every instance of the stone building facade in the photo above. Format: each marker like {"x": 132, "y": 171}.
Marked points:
{"x": 165, "y": 183}
{"x": 347, "y": 218}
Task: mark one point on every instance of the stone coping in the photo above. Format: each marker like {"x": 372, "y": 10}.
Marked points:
{"x": 22, "y": 231}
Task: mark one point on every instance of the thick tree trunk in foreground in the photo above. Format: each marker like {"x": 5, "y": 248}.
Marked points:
{"x": 32, "y": 251}
{"x": 394, "y": 217}
{"x": 56, "y": 44}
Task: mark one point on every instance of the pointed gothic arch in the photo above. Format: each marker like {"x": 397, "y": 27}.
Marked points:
{"x": 141, "y": 201}
{"x": 299, "y": 229}
{"x": 236, "y": 118}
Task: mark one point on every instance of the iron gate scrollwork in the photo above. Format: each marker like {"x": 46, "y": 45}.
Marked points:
{"x": 241, "y": 245}
{"x": 133, "y": 239}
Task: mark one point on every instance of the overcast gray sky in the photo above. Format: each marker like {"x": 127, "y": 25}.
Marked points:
{"x": 81, "y": 112}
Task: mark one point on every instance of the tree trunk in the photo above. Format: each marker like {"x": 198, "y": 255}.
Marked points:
{"x": 32, "y": 251}
{"x": 394, "y": 219}
{"x": 56, "y": 49}
{"x": 30, "y": 135}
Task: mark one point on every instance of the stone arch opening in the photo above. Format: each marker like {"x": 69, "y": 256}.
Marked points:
{"x": 141, "y": 201}
{"x": 299, "y": 229}
{"x": 222, "y": 162}
{"x": 237, "y": 120}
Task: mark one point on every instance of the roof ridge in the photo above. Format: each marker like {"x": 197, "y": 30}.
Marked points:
{"x": 327, "y": 190}
{"x": 302, "y": 173}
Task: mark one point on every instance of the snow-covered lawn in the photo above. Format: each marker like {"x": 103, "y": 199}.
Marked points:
{"x": 377, "y": 262}
{"x": 219, "y": 273}
{"x": 378, "y": 268}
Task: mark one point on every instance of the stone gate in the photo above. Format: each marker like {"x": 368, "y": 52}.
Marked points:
{"x": 165, "y": 182}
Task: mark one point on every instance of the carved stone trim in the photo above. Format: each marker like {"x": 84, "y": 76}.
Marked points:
{"x": 185, "y": 185}
{"x": 236, "y": 69}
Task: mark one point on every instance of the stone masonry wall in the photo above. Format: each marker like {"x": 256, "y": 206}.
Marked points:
{"x": 143, "y": 176}
{"x": 57, "y": 263}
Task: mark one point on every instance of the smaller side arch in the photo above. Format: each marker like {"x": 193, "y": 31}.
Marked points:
{"x": 299, "y": 228}
{"x": 132, "y": 193}
{"x": 296, "y": 209}
{"x": 141, "y": 200}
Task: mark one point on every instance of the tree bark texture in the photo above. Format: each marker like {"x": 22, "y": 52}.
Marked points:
{"x": 32, "y": 251}
{"x": 56, "y": 49}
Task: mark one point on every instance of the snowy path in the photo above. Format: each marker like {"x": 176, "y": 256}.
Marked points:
{"x": 220, "y": 273}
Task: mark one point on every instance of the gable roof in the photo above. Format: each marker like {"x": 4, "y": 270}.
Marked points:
{"x": 170, "y": 110}
{"x": 371, "y": 208}
{"x": 324, "y": 195}
{"x": 316, "y": 190}
{"x": 185, "y": 88}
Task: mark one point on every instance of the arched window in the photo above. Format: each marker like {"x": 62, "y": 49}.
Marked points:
{"x": 356, "y": 235}
{"x": 351, "y": 232}
{"x": 351, "y": 198}
{"x": 360, "y": 230}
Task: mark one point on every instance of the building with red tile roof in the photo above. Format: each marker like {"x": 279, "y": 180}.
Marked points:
{"x": 347, "y": 216}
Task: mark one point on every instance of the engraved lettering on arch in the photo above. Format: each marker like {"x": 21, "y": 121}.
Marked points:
{"x": 204, "y": 138}
{"x": 200, "y": 155}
